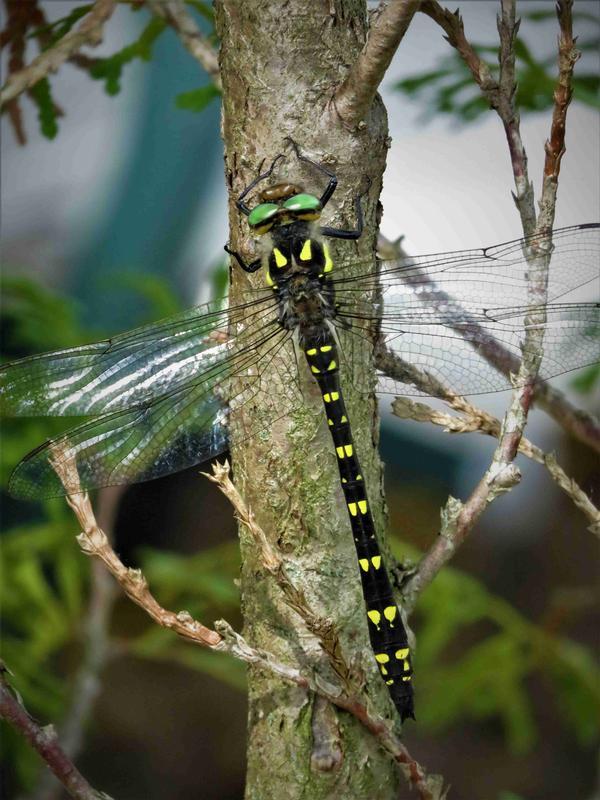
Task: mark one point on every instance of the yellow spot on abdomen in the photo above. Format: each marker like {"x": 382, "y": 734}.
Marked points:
{"x": 382, "y": 658}
{"x": 375, "y": 617}
{"x": 312, "y": 351}
{"x": 402, "y": 654}
{"x": 326, "y": 348}
{"x": 362, "y": 505}
{"x": 364, "y": 563}
{"x": 376, "y": 561}
{"x": 352, "y": 508}
{"x": 332, "y": 365}
{"x": 349, "y": 449}
{"x": 280, "y": 259}
{"x": 306, "y": 252}
{"x": 314, "y": 369}
{"x": 389, "y": 612}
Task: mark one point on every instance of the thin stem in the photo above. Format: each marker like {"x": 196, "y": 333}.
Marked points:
{"x": 555, "y": 146}
{"x": 322, "y": 628}
{"x": 578, "y": 423}
{"x": 94, "y": 542}
{"x": 45, "y": 742}
{"x": 87, "y": 682}
{"x": 355, "y": 95}
{"x": 500, "y": 94}
{"x": 474, "y": 419}
{"x": 192, "y": 38}
{"x": 89, "y": 33}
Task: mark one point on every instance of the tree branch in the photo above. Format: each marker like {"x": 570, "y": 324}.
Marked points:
{"x": 354, "y": 96}
{"x": 94, "y": 542}
{"x": 44, "y": 741}
{"x": 87, "y": 683}
{"x": 89, "y": 32}
{"x": 474, "y": 419}
{"x": 192, "y": 38}
{"x": 555, "y": 145}
{"x": 428, "y": 787}
{"x": 580, "y": 424}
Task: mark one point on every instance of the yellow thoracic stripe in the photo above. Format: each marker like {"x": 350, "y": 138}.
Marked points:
{"x": 402, "y": 654}
{"x": 306, "y": 252}
{"x": 328, "y": 262}
{"x": 280, "y": 259}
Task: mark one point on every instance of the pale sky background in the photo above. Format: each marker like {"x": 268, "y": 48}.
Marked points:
{"x": 446, "y": 187}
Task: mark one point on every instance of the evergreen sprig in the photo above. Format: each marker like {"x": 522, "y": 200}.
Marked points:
{"x": 110, "y": 69}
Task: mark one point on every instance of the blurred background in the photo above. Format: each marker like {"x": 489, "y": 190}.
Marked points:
{"x": 120, "y": 219}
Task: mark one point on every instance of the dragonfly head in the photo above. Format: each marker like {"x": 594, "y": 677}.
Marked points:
{"x": 283, "y": 204}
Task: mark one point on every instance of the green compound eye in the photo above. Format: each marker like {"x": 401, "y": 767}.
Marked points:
{"x": 262, "y": 216}
{"x": 304, "y": 204}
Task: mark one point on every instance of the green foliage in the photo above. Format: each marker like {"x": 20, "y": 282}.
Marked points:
{"x": 41, "y": 95}
{"x": 197, "y": 99}
{"x": 45, "y": 578}
{"x": 109, "y": 69}
{"x": 35, "y": 319}
{"x": 587, "y": 380}
{"x": 203, "y": 584}
{"x": 489, "y": 677}
{"x": 450, "y": 88}
{"x": 61, "y": 26}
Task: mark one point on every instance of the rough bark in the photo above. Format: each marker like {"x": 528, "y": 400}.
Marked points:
{"x": 280, "y": 64}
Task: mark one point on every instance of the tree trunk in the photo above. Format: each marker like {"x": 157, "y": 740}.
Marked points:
{"x": 280, "y": 65}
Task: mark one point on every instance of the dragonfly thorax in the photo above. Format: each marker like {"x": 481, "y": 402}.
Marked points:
{"x": 296, "y": 263}
{"x": 306, "y": 306}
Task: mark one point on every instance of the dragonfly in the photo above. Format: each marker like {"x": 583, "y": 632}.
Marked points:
{"x": 165, "y": 396}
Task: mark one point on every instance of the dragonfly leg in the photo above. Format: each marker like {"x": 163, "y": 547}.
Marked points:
{"x": 251, "y": 267}
{"x": 340, "y": 233}
{"x": 240, "y": 201}
{"x": 331, "y": 186}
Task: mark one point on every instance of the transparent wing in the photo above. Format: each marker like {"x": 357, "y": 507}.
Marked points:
{"x": 126, "y": 370}
{"x": 179, "y": 429}
{"x": 461, "y": 316}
